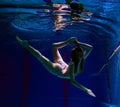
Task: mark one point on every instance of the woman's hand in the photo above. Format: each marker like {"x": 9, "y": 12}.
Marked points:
{"x": 72, "y": 40}
{"x": 77, "y": 43}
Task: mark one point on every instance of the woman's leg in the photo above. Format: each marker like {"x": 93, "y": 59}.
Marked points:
{"x": 45, "y": 61}
{"x": 58, "y": 45}
{"x": 56, "y": 54}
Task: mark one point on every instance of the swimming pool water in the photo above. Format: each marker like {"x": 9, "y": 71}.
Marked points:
{"x": 26, "y": 83}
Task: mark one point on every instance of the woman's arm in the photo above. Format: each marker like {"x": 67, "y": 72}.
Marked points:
{"x": 64, "y": 43}
{"x": 75, "y": 83}
{"x": 87, "y": 47}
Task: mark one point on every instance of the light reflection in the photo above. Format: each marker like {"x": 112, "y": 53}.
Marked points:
{"x": 60, "y": 16}
{"x": 63, "y": 16}
{"x": 60, "y": 22}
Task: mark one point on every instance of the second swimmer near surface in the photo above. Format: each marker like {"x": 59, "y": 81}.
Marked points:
{"x": 77, "y": 8}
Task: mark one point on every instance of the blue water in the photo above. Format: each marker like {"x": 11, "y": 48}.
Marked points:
{"x": 24, "y": 82}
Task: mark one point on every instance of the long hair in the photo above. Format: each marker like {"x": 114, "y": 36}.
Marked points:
{"x": 77, "y": 6}
{"x": 75, "y": 57}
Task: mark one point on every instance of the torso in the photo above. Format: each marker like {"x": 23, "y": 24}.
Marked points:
{"x": 63, "y": 71}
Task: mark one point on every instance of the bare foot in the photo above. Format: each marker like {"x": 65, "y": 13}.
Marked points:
{"x": 90, "y": 93}
{"x": 22, "y": 42}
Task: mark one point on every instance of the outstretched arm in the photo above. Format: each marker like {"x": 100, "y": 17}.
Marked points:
{"x": 64, "y": 43}
{"x": 75, "y": 83}
{"x": 87, "y": 47}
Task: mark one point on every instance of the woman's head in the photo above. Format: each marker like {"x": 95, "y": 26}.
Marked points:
{"x": 76, "y": 53}
{"x": 77, "y": 56}
{"x": 77, "y": 6}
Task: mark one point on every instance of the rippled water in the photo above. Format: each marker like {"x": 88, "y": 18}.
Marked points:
{"x": 43, "y": 26}
{"x": 102, "y": 23}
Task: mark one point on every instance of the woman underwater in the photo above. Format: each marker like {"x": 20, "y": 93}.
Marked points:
{"x": 59, "y": 67}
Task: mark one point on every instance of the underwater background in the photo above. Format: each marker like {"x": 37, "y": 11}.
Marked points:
{"x": 24, "y": 82}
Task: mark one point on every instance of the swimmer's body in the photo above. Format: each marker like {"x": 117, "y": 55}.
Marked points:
{"x": 59, "y": 67}
{"x": 75, "y": 9}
